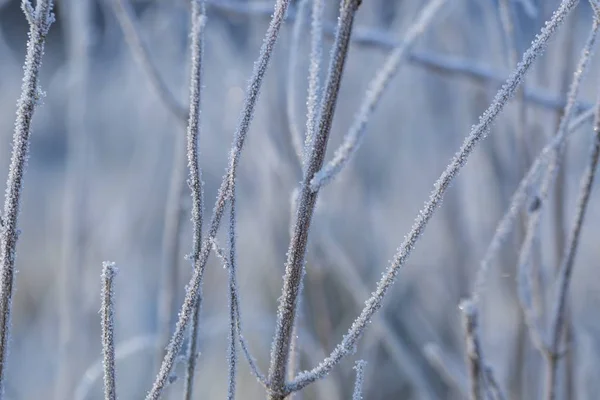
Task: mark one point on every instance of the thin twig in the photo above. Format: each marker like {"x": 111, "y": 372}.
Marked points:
{"x": 108, "y": 327}
{"x": 198, "y": 21}
{"x": 358, "y": 382}
{"x": 377, "y": 87}
{"x": 195, "y": 284}
{"x": 294, "y": 270}
{"x": 141, "y": 53}
{"x": 236, "y": 303}
{"x": 477, "y": 134}
{"x": 231, "y": 348}
{"x": 41, "y": 18}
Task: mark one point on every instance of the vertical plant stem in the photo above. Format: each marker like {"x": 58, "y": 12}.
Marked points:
{"x": 232, "y": 350}
{"x": 358, "y": 382}
{"x": 108, "y": 327}
{"x": 40, "y": 20}
{"x": 294, "y": 270}
{"x": 195, "y": 178}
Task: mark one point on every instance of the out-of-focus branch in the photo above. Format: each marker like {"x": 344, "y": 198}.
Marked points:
{"x": 141, "y": 53}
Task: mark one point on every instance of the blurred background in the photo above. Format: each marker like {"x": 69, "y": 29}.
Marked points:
{"x": 104, "y": 157}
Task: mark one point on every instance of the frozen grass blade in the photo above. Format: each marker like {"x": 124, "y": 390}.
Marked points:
{"x": 294, "y": 270}
{"x": 194, "y": 286}
{"x": 40, "y": 20}
{"x": 478, "y": 132}
{"x": 373, "y": 96}
{"x": 108, "y": 328}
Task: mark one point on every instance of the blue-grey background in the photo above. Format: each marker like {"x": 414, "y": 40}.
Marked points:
{"x": 123, "y": 167}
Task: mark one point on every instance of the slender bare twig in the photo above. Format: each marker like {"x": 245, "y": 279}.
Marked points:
{"x": 40, "y": 20}
{"x": 141, "y": 53}
{"x": 231, "y": 349}
{"x": 477, "y": 134}
{"x": 108, "y": 328}
{"x": 377, "y": 87}
{"x": 236, "y": 308}
{"x": 358, "y": 382}
{"x": 294, "y": 269}
{"x": 566, "y": 266}
{"x": 198, "y": 21}
{"x": 194, "y": 286}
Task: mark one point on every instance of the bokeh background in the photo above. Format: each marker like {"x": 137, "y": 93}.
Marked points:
{"x": 101, "y": 167}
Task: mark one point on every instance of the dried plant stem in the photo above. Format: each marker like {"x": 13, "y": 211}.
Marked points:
{"x": 566, "y": 267}
{"x": 377, "y": 87}
{"x": 39, "y": 20}
{"x": 193, "y": 288}
{"x": 236, "y": 309}
{"x": 198, "y": 21}
{"x": 294, "y": 269}
{"x": 477, "y": 134}
{"x": 358, "y": 382}
{"x": 231, "y": 348}
{"x": 141, "y": 53}
{"x": 107, "y": 312}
